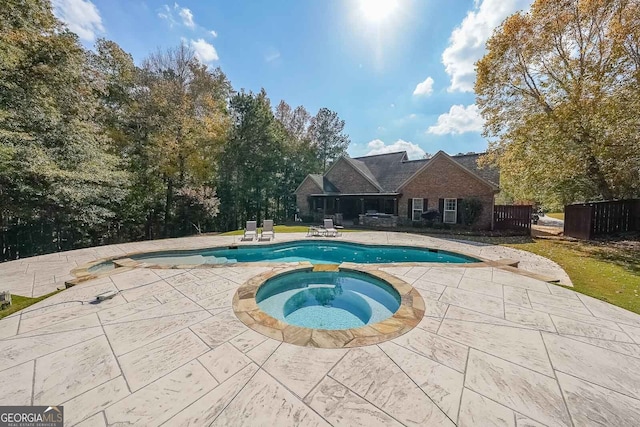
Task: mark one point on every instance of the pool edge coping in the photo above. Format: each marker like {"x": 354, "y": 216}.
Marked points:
{"x": 408, "y": 315}
{"x": 125, "y": 263}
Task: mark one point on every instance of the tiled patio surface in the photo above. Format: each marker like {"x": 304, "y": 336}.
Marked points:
{"x": 494, "y": 348}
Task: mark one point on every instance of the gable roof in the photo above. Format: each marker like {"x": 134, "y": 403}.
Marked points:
{"x": 389, "y": 172}
{"x": 321, "y": 182}
{"x": 470, "y": 161}
{"x": 452, "y": 159}
{"x": 391, "y": 169}
{"x": 361, "y": 168}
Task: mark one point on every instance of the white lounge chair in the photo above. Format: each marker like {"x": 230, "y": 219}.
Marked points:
{"x": 329, "y": 229}
{"x": 267, "y": 230}
{"x": 251, "y": 230}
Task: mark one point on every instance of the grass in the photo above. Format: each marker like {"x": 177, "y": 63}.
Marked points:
{"x": 602, "y": 271}
{"x": 556, "y": 215}
{"x": 607, "y": 271}
{"x": 18, "y": 303}
{"x": 282, "y": 229}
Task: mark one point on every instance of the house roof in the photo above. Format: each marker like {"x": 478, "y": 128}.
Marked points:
{"x": 361, "y": 168}
{"x": 389, "y": 172}
{"x": 442, "y": 154}
{"x": 323, "y": 183}
{"x": 392, "y": 169}
{"x": 470, "y": 161}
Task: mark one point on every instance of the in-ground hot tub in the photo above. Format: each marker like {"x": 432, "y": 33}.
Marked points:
{"x": 328, "y": 306}
{"x": 328, "y": 300}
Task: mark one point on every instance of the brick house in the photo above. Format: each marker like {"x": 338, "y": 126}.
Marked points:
{"x": 388, "y": 189}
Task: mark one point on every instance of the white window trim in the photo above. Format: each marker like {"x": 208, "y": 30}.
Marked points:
{"x": 455, "y": 212}
{"x": 414, "y": 210}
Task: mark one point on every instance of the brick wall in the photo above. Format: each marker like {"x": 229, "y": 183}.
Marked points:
{"x": 444, "y": 180}
{"x": 302, "y": 195}
{"x": 348, "y": 180}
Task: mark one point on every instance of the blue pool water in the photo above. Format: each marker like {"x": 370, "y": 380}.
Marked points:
{"x": 328, "y": 300}
{"x": 103, "y": 266}
{"x": 314, "y": 252}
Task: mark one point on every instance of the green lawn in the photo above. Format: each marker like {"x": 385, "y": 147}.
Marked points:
{"x": 605, "y": 272}
{"x": 18, "y": 303}
{"x": 282, "y": 229}
{"x": 556, "y": 215}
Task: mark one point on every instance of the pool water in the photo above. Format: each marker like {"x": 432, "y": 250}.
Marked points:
{"x": 328, "y": 300}
{"x": 102, "y": 267}
{"x": 313, "y": 252}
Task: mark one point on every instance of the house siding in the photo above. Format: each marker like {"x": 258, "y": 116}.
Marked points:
{"x": 307, "y": 188}
{"x": 442, "y": 179}
{"x": 348, "y": 180}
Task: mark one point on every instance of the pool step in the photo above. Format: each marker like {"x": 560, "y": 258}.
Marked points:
{"x": 326, "y": 267}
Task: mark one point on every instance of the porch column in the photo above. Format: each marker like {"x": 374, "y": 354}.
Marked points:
{"x": 395, "y": 206}
{"x": 362, "y": 206}
{"x": 337, "y": 204}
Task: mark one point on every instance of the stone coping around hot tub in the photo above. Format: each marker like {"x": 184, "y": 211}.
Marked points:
{"x": 407, "y": 317}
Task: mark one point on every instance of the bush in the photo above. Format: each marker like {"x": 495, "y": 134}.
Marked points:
{"x": 431, "y": 215}
{"x": 471, "y": 210}
{"x": 307, "y": 219}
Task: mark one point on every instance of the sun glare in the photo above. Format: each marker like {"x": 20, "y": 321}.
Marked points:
{"x": 377, "y": 10}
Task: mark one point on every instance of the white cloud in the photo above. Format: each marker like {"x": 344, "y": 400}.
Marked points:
{"x": 166, "y": 14}
{"x": 378, "y": 146}
{"x": 186, "y": 16}
{"x": 272, "y": 55}
{"x": 81, "y": 16}
{"x": 459, "y": 119}
{"x": 204, "y": 51}
{"x": 424, "y": 88}
{"x": 467, "y": 42}
{"x": 213, "y": 33}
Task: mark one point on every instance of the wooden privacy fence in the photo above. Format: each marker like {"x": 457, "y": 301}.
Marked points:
{"x": 512, "y": 217}
{"x": 588, "y": 220}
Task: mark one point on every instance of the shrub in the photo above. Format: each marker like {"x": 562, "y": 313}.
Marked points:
{"x": 431, "y": 215}
{"x": 307, "y": 219}
{"x": 471, "y": 210}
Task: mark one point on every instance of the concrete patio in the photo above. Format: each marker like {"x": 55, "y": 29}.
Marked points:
{"x": 494, "y": 348}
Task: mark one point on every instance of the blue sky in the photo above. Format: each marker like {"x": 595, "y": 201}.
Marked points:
{"x": 399, "y": 72}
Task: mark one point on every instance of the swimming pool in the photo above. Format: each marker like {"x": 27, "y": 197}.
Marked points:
{"x": 328, "y": 300}
{"x": 312, "y": 251}
{"x": 102, "y": 267}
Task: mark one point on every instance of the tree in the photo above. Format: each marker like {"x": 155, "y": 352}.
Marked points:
{"x": 327, "y": 135}
{"x": 59, "y": 186}
{"x": 176, "y": 124}
{"x": 558, "y": 89}
{"x": 299, "y": 155}
{"x": 251, "y": 161}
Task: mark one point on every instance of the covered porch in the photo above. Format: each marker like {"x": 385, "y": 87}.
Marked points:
{"x": 351, "y": 206}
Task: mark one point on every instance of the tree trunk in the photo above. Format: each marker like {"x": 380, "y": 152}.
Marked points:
{"x": 167, "y": 207}
{"x": 598, "y": 178}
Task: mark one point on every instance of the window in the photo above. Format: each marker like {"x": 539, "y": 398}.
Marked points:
{"x": 418, "y": 205}
{"x": 450, "y": 211}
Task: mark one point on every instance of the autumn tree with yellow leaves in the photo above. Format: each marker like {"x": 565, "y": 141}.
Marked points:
{"x": 559, "y": 89}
